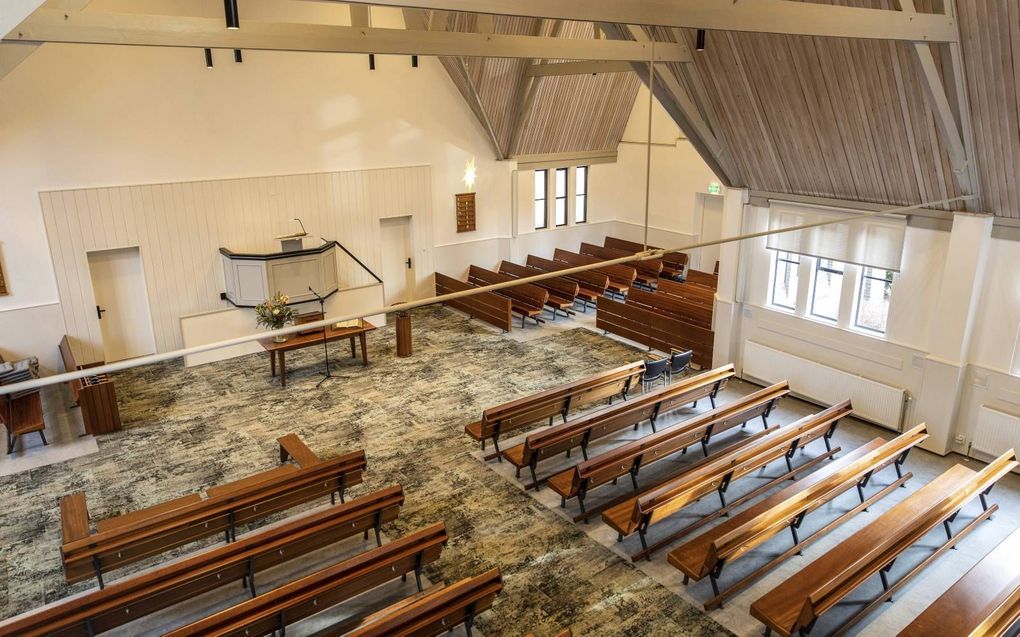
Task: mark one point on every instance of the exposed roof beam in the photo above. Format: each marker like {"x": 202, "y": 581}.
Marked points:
{"x": 758, "y": 16}
{"x": 526, "y": 96}
{"x": 577, "y": 68}
{"x": 12, "y": 54}
{"x": 172, "y": 31}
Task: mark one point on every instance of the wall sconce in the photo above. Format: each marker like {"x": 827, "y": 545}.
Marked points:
{"x": 470, "y": 173}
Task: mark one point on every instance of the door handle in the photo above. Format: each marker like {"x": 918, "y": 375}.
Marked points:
{"x": 99, "y": 312}
{"x": 408, "y": 262}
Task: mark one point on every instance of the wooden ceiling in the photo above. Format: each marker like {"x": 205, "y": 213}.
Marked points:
{"x": 538, "y": 115}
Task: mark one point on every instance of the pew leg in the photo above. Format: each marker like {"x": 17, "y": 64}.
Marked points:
{"x": 768, "y": 631}
{"x": 517, "y": 472}
{"x": 249, "y": 579}
{"x": 644, "y": 542}
{"x": 687, "y": 579}
{"x": 417, "y": 573}
{"x": 495, "y": 444}
{"x": 377, "y": 529}
{"x": 695, "y": 405}
{"x": 563, "y": 502}
{"x": 568, "y": 453}
{"x": 98, "y": 570}
{"x": 711, "y": 399}
{"x": 534, "y": 478}
{"x": 633, "y": 479}
{"x": 715, "y": 584}
{"x": 704, "y": 446}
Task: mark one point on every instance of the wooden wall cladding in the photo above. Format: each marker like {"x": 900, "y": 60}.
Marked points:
{"x": 465, "y": 212}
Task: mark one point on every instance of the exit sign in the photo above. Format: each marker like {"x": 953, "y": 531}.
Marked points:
{"x": 714, "y": 188}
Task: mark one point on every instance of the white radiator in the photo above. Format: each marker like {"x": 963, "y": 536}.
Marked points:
{"x": 996, "y": 431}
{"x": 873, "y": 401}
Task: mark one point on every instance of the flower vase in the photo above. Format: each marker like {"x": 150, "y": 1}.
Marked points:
{"x": 280, "y": 338}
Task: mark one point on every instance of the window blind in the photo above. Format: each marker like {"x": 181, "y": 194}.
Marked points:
{"x": 874, "y": 242}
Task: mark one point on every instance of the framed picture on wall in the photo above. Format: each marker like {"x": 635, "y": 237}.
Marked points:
{"x": 3, "y": 281}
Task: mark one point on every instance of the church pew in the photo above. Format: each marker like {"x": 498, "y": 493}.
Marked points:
{"x": 527, "y": 300}
{"x": 280, "y": 607}
{"x": 673, "y": 263}
{"x": 134, "y": 536}
{"x": 490, "y": 308}
{"x": 707, "y": 554}
{"x": 655, "y": 330}
{"x": 95, "y": 395}
{"x": 718, "y": 471}
{"x": 705, "y": 279}
{"x": 695, "y": 294}
{"x": 581, "y": 431}
{"x": 555, "y": 401}
{"x": 629, "y": 458}
{"x": 672, "y": 306}
{"x": 621, "y": 276}
{"x": 799, "y": 602}
{"x": 591, "y": 285}
{"x": 648, "y": 272}
{"x": 562, "y": 291}
{"x": 985, "y": 602}
{"x": 131, "y": 598}
{"x": 438, "y": 612}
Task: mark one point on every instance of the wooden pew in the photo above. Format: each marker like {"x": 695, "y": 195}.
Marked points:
{"x": 562, "y": 291}
{"x": 490, "y": 308}
{"x": 672, "y": 306}
{"x": 95, "y": 395}
{"x": 581, "y": 431}
{"x": 527, "y": 300}
{"x": 798, "y": 603}
{"x": 655, "y": 330}
{"x": 591, "y": 285}
{"x": 648, "y": 272}
{"x": 695, "y": 294}
{"x": 621, "y": 277}
{"x": 278, "y": 608}
{"x": 134, "y": 536}
{"x": 706, "y": 279}
{"x": 129, "y": 599}
{"x": 985, "y": 602}
{"x": 20, "y": 416}
{"x": 437, "y": 612}
{"x": 629, "y": 458}
{"x": 556, "y": 401}
{"x": 717, "y": 472}
{"x": 707, "y": 554}
{"x": 673, "y": 263}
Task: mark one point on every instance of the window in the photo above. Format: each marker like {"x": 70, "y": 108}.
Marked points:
{"x": 784, "y": 281}
{"x": 827, "y": 290}
{"x": 541, "y": 205}
{"x": 873, "y": 299}
{"x": 561, "y": 196}
{"x": 581, "y": 195}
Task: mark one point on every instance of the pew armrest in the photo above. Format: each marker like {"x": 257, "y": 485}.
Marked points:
{"x": 291, "y": 446}
{"x": 74, "y": 517}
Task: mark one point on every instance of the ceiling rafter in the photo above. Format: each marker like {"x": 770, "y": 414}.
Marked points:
{"x": 527, "y": 90}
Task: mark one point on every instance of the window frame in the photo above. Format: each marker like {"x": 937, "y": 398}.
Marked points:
{"x": 544, "y": 199}
{"x": 557, "y": 197}
{"x": 861, "y": 276}
{"x": 581, "y": 211}
{"x": 819, "y": 268}
{"x": 777, "y": 259}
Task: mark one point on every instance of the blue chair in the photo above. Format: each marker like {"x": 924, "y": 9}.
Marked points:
{"x": 679, "y": 364}
{"x": 655, "y": 370}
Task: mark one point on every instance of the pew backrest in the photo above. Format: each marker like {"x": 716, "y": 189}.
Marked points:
{"x": 706, "y": 279}
{"x": 651, "y": 268}
{"x": 656, "y": 330}
{"x": 489, "y": 307}
{"x": 592, "y": 282}
{"x": 675, "y": 307}
{"x": 619, "y": 274}
{"x": 558, "y": 286}
{"x": 676, "y": 261}
{"x": 527, "y": 296}
{"x": 695, "y": 294}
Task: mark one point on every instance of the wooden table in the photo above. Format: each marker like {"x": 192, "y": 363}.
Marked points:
{"x": 299, "y": 341}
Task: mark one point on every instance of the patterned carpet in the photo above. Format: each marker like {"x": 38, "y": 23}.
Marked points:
{"x": 198, "y": 427}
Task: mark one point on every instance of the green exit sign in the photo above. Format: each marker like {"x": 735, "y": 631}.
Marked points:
{"x": 714, "y": 188}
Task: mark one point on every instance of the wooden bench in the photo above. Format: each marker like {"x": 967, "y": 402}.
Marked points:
{"x": 562, "y": 291}
{"x": 717, "y": 472}
{"x": 22, "y": 415}
{"x": 673, "y": 263}
{"x": 591, "y": 285}
{"x": 276, "y": 609}
{"x": 694, "y": 294}
{"x": 672, "y": 306}
{"x": 95, "y": 395}
{"x": 527, "y": 300}
{"x": 984, "y": 602}
{"x": 291, "y": 446}
{"x": 556, "y": 401}
{"x": 129, "y": 599}
{"x": 655, "y": 330}
{"x": 490, "y": 308}
{"x": 706, "y": 279}
{"x": 648, "y": 272}
{"x": 707, "y": 554}
{"x": 621, "y": 276}
{"x": 581, "y": 431}
{"x": 435, "y": 613}
{"x": 134, "y": 536}
{"x": 630, "y": 458}
{"x": 799, "y": 602}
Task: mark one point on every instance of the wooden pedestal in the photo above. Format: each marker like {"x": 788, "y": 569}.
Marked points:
{"x": 403, "y": 334}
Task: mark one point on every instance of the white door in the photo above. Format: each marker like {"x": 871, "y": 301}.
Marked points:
{"x": 397, "y": 259}
{"x": 711, "y": 229}
{"x": 121, "y": 303}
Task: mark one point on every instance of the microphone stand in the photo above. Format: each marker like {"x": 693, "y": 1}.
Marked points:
{"x": 325, "y": 343}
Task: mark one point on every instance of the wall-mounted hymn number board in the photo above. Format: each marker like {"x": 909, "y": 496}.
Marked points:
{"x": 466, "y": 212}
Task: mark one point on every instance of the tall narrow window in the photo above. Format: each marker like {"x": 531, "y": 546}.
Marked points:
{"x": 541, "y": 203}
{"x": 873, "y": 299}
{"x": 581, "y": 195}
{"x": 784, "y": 280}
{"x": 561, "y": 196}
{"x": 828, "y": 287}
